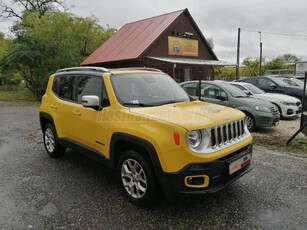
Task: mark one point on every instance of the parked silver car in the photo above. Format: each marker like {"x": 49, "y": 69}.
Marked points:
{"x": 288, "y": 106}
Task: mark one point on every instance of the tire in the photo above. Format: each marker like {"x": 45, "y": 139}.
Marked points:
{"x": 280, "y": 112}
{"x": 136, "y": 179}
{"x": 250, "y": 122}
{"x": 52, "y": 145}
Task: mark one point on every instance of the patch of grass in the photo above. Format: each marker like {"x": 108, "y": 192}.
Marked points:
{"x": 298, "y": 146}
{"x": 15, "y": 93}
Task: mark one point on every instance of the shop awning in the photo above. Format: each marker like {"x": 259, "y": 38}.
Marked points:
{"x": 192, "y": 61}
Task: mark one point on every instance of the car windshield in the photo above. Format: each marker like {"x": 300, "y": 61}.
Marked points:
{"x": 147, "y": 89}
{"x": 280, "y": 81}
{"x": 253, "y": 89}
{"x": 234, "y": 91}
{"x": 298, "y": 82}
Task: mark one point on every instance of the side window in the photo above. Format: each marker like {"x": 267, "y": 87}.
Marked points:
{"x": 212, "y": 91}
{"x": 265, "y": 83}
{"x": 190, "y": 88}
{"x": 91, "y": 85}
{"x": 66, "y": 87}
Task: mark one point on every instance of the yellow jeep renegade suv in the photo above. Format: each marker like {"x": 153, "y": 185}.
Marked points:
{"x": 140, "y": 122}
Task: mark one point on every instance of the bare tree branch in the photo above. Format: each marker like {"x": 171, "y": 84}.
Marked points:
{"x": 39, "y": 6}
{"x": 8, "y": 12}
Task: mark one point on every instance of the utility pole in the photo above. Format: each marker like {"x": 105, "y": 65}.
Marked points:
{"x": 238, "y": 56}
{"x": 260, "y": 67}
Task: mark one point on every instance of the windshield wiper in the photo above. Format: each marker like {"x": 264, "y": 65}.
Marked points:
{"x": 137, "y": 104}
{"x": 171, "y": 102}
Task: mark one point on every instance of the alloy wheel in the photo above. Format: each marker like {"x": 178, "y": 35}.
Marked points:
{"x": 134, "y": 178}
{"x": 49, "y": 140}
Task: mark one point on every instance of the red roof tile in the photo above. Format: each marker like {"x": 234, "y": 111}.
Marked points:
{"x": 132, "y": 39}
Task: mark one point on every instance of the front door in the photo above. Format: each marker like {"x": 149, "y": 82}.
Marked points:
{"x": 89, "y": 128}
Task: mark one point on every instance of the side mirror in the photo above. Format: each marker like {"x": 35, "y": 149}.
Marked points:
{"x": 221, "y": 98}
{"x": 246, "y": 92}
{"x": 90, "y": 101}
{"x": 272, "y": 85}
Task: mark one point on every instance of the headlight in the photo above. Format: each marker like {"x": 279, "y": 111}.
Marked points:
{"x": 262, "y": 109}
{"x": 194, "y": 138}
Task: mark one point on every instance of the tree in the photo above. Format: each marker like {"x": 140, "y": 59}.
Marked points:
{"x": 289, "y": 58}
{"x": 4, "y": 48}
{"x": 19, "y": 7}
{"x": 227, "y": 73}
{"x": 45, "y": 44}
{"x": 276, "y": 63}
{"x": 252, "y": 67}
{"x": 210, "y": 42}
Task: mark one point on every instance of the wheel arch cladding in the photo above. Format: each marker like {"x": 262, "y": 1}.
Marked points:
{"x": 121, "y": 142}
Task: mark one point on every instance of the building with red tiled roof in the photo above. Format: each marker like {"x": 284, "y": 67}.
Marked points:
{"x": 171, "y": 42}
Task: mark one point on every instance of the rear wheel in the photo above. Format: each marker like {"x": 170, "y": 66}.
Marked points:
{"x": 52, "y": 145}
{"x": 137, "y": 178}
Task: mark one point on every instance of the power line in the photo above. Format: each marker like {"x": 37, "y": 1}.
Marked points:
{"x": 258, "y": 4}
{"x": 252, "y": 45}
{"x": 276, "y": 33}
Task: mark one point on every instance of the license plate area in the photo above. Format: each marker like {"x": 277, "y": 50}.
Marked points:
{"x": 239, "y": 163}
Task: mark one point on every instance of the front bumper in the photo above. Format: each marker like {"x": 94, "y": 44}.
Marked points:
{"x": 266, "y": 120}
{"x": 290, "y": 111}
{"x": 216, "y": 173}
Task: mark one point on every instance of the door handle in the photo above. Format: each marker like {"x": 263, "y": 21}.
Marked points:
{"x": 76, "y": 113}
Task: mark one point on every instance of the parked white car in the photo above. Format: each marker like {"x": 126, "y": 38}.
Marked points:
{"x": 288, "y": 106}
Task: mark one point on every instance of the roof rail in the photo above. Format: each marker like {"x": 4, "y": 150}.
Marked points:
{"x": 83, "y": 68}
{"x": 136, "y": 68}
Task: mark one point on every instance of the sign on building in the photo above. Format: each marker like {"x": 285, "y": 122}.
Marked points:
{"x": 182, "y": 46}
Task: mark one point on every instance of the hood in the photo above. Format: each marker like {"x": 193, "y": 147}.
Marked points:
{"x": 191, "y": 115}
{"x": 251, "y": 102}
{"x": 277, "y": 97}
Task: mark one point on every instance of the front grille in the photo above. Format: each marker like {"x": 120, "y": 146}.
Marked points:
{"x": 274, "y": 110}
{"x": 227, "y": 133}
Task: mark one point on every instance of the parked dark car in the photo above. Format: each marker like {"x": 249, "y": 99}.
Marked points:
{"x": 276, "y": 85}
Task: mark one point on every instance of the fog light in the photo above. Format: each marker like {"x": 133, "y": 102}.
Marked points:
{"x": 289, "y": 112}
{"x": 196, "y": 181}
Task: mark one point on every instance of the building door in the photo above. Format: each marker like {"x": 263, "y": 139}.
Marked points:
{"x": 187, "y": 74}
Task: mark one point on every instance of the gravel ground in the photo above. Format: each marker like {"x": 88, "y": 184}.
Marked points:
{"x": 285, "y": 128}
{"x": 37, "y": 192}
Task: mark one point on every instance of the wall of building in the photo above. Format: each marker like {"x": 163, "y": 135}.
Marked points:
{"x": 179, "y": 27}
{"x": 160, "y": 49}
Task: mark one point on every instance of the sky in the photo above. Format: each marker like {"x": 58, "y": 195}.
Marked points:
{"x": 282, "y": 23}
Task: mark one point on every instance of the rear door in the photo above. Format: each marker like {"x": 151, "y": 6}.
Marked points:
{"x": 63, "y": 88}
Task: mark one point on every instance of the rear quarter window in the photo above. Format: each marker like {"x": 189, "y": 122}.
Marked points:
{"x": 55, "y": 86}
{"x": 63, "y": 86}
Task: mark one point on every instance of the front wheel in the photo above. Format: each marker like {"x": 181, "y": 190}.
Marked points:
{"x": 52, "y": 145}
{"x": 250, "y": 122}
{"x": 137, "y": 179}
